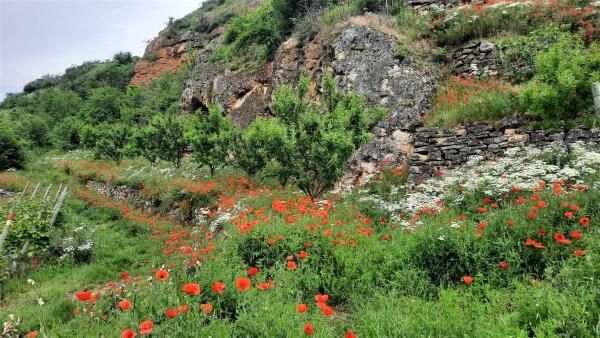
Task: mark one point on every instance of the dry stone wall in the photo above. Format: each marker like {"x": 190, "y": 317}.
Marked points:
{"x": 476, "y": 60}
{"x": 437, "y": 150}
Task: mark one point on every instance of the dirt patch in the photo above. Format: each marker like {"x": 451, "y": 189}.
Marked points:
{"x": 169, "y": 59}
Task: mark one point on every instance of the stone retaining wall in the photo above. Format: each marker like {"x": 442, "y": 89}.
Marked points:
{"x": 476, "y": 60}
{"x": 436, "y": 149}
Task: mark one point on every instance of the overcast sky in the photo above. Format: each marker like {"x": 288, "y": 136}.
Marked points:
{"x": 39, "y": 37}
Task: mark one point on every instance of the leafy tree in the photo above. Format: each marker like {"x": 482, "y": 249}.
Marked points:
{"x": 102, "y": 106}
{"x": 65, "y": 135}
{"x": 210, "y": 137}
{"x": 307, "y": 142}
{"x": 264, "y": 149}
{"x": 11, "y": 154}
{"x": 144, "y": 142}
{"x": 111, "y": 141}
{"x": 170, "y": 138}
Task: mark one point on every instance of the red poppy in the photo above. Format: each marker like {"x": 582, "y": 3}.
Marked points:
{"x": 575, "y": 234}
{"x": 263, "y": 286}
{"x": 124, "y": 275}
{"x": 291, "y": 265}
{"x": 350, "y": 334}
{"x": 183, "y": 308}
{"x": 252, "y": 271}
{"x": 302, "y": 254}
{"x": 162, "y": 274}
{"x": 538, "y": 245}
{"x": 171, "y": 313}
{"x": 243, "y": 284}
{"x": 584, "y": 221}
{"x": 575, "y": 207}
{"x": 321, "y": 298}
{"x": 487, "y": 200}
{"x": 569, "y": 214}
{"x": 542, "y": 232}
{"x": 192, "y": 289}
{"x": 580, "y": 252}
{"x": 468, "y": 280}
{"x": 125, "y": 304}
{"x": 327, "y": 310}
{"x": 218, "y": 287}
{"x": 560, "y": 238}
{"x": 532, "y": 215}
{"x": 146, "y": 327}
{"x": 206, "y": 308}
{"x": 510, "y": 223}
{"x": 83, "y": 296}
{"x": 309, "y": 328}
{"x": 128, "y": 333}
{"x": 32, "y": 334}
{"x": 301, "y": 308}
{"x": 504, "y": 265}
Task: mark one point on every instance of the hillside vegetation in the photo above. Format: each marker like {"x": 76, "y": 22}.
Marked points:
{"x": 188, "y": 225}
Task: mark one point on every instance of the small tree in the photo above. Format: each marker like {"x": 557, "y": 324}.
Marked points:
{"x": 170, "y": 142}
{"x": 11, "y": 155}
{"x": 309, "y": 143}
{"x": 210, "y": 137}
{"x": 144, "y": 142}
{"x": 111, "y": 141}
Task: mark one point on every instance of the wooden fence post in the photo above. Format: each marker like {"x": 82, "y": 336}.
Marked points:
{"x": 596, "y": 94}
{"x": 58, "y": 206}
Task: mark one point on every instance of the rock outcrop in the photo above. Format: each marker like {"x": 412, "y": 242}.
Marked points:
{"x": 365, "y": 62}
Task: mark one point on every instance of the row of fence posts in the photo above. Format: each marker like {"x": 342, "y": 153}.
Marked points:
{"x": 59, "y": 200}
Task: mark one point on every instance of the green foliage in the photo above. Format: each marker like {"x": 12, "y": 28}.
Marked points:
{"x": 169, "y": 141}
{"x": 560, "y": 91}
{"x": 306, "y": 142}
{"x": 264, "y": 149}
{"x": 401, "y": 53}
{"x": 102, "y": 106}
{"x": 518, "y": 52}
{"x": 210, "y": 136}
{"x": 11, "y": 155}
{"x": 107, "y": 140}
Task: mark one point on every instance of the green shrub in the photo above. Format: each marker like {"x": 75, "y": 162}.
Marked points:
{"x": 11, "y": 154}
{"x": 307, "y": 143}
{"x": 169, "y": 137}
{"x": 107, "y": 140}
{"x": 210, "y": 136}
{"x": 518, "y": 52}
{"x": 560, "y": 91}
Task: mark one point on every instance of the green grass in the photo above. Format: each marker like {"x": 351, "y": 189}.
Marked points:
{"x": 406, "y": 285}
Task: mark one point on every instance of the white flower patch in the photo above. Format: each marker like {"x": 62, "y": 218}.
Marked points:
{"x": 521, "y": 167}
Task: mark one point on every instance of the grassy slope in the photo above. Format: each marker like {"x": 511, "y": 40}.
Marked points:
{"x": 407, "y": 285}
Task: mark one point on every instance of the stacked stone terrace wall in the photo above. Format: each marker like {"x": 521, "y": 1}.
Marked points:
{"x": 436, "y": 149}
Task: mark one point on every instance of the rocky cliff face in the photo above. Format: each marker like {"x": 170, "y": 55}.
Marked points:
{"x": 361, "y": 57}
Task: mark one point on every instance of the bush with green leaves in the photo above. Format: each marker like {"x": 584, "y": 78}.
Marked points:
{"x": 108, "y": 141}
{"x": 518, "y": 53}
{"x": 11, "y": 154}
{"x": 560, "y": 92}
{"x": 308, "y": 143}
{"x": 169, "y": 137}
{"x": 210, "y": 136}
